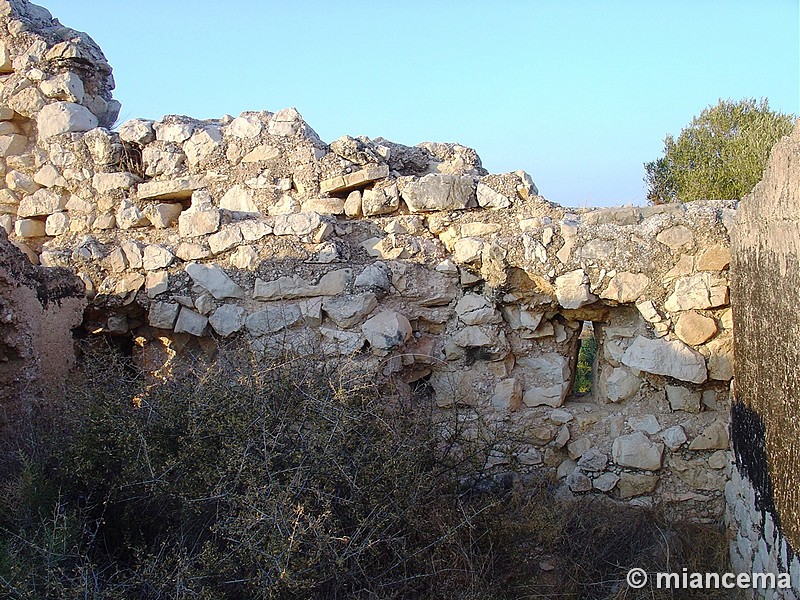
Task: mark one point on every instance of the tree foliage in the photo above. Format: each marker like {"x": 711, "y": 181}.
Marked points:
{"x": 720, "y": 156}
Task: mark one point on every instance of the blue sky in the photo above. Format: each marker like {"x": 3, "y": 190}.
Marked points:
{"x": 577, "y": 93}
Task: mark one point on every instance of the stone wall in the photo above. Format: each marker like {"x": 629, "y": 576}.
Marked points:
{"x": 413, "y": 263}
{"x": 764, "y": 492}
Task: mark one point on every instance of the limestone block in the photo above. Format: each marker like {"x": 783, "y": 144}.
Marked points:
{"x": 65, "y": 86}
{"x": 107, "y": 182}
{"x": 572, "y": 289}
{"x": 478, "y": 229}
{"x": 438, "y": 192}
{"x": 631, "y": 485}
{"x": 348, "y": 311}
{"x": 676, "y": 237}
{"x": 695, "y": 329}
{"x": 380, "y": 201}
{"x": 475, "y": 309}
{"x": 638, "y": 452}
{"x": 375, "y": 275}
{"x": 57, "y": 224}
{"x": 29, "y": 228}
{"x": 713, "y": 437}
{"x": 547, "y": 379}
{"x": 29, "y": 101}
{"x": 387, "y": 330}
{"x": 20, "y": 182}
{"x": 253, "y": 231}
{"x": 202, "y": 144}
{"x": 325, "y": 206}
{"x": 285, "y": 122}
{"x": 128, "y": 215}
{"x": 156, "y": 257}
{"x": 697, "y": 474}
{"x": 245, "y": 126}
{"x": 578, "y": 482}
{"x": 137, "y": 131}
{"x": 225, "y": 239}
{"x": 261, "y": 153}
{"x": 238, "y": 200}
{"x": 468, "y": 250}
{"x": 63, "y": 117}
{"x": 507, "y": 396}
{"x": 621, "y": 384}
{"x": 213, "y": 279}
{"x": 162, "y": 315}
{"x": 488, "y": 198}
{"x": 191, "y": 322}
{"x": 156, "y": 283}
{"x": 593, "y": 461}
{"x": 674, "y": 437}
{"x": 48, "y": 176}
{"x": 227, "y": 319}
{"x": 176, "y": 131}
{"x": 698, "y": 291}
{"x": 162, "y": 215}
{"x": 41, "y": 203}
{"x": 12, "y": 144}
{"x": 357, "y": 179}
{"x": 284, "y": 288}
{"x": 605, "y": 482}
{"x": 296, "y": 224}
{"x": 273, "y": 319}
{"x": 190, "y": 251}
{"x": 715, "y": 258}
{"x": 163, "y": 159}
{"x": 340, "y": 342}
{"x": 193, "y": 223}
{"x": 352, "y": 205}
{"x": 720, "y": 359}
{"x": 172, "y": 189}
{"x": 244, "y": 257}
{"x": 662, "y": 357}
{"x": 626, "y": 287}
{"x": 646, "y": 423}
{"x": 133, "y": 253}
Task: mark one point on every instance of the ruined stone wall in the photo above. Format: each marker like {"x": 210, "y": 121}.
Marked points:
{"x": 412, "y": 263}
{"x": 764, "y": 492}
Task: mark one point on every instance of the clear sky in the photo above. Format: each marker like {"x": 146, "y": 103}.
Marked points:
{"x": 579, "y": 93}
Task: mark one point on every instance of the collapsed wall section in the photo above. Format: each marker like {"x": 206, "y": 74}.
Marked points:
{"x": 764, "y": 493}
{"x": 412, "y": 263}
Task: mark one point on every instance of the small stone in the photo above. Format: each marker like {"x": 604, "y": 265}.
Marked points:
{"x": 193, "y": 223}
{"x": 348, "y": 311}
{"x": 43, "y": 202}
{"x": 238, "y": 200}
{"x": 296, "y": 224}
{"x": 375, "y": 275}
{"x": 675, "y": 237}
{"x": 647, "y": 423}
{"x": 507, "y": 396}
{"x": 593, "y": 460}
{"x": 621, "y": 384}
{"x": 137, "y": 131}
{"x": 352, "y": 205}
{"x": 273, "y": 319}
{"x": 626, "y": 287}
{"x": 578, "y": 482}
{"x": 631, "y": 484}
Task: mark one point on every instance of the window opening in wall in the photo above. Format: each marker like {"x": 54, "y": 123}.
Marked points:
{"x": 585, "y": 366}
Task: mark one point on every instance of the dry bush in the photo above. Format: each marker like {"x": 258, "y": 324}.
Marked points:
{"x": 286, "y": 479}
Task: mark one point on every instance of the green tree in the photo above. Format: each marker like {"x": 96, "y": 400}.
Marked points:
{"x": 720, "y": 156}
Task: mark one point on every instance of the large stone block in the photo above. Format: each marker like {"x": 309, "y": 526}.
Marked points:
{"x": 438, "y": 192}
{"x": 64, "y": 117}
{"x": 662, "y": 357}
{"x": 637, "y": 452}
